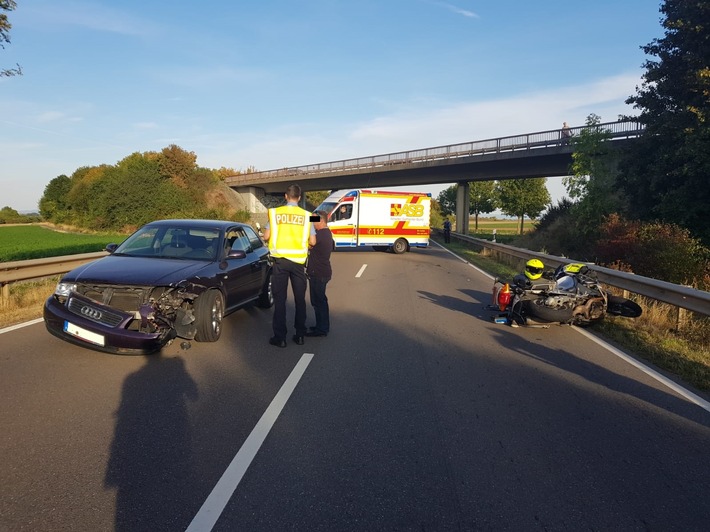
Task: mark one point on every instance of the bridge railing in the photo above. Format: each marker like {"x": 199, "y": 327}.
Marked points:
{"x": 542, "y": 139}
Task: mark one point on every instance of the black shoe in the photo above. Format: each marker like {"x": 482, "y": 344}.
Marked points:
{"x": 298, "y": 339}
{"x": 316, "y": 332}
{"x": 278, "y": 342}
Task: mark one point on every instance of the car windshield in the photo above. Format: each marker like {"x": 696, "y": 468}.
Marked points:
{"x": 179, "y": 242}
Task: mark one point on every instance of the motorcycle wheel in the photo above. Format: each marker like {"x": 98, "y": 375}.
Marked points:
{"x": 620, "y": 306}
{"x": 538, "y": 311}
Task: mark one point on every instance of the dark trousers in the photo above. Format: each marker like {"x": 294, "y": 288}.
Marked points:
{"x": 285, "y": 270}
{"x": 320, "y": 303}
{"x": 447, "y": 235}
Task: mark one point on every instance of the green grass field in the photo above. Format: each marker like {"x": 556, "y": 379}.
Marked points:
{"x": 505, "y": 227}
{"x": 25, "y": 242}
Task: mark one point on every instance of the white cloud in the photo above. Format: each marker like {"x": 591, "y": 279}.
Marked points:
{"x": 92, "y": 16}
{"x": 457, "y": 10}
{"x": 468, "y": 121}
{"x": 207, "y": 77}
{"x": 145, "y": 125}
{"x": 16, "y": 147}
{"x": 50, "y": 116}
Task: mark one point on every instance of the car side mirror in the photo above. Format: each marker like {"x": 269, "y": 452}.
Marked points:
{"x": 111, "y": 248}
{"x": 237, "y": 254}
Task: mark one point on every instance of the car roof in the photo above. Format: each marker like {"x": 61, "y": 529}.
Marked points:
{"x": 199, "y": 224}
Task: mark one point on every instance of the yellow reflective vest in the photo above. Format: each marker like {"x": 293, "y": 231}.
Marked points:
{"x": 290, "y": 228}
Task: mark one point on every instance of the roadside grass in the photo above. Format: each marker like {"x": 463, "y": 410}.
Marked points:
{"x": 26, "y": 301}
{"x": 654, "y": 337}
{"x": 504, "y": 226}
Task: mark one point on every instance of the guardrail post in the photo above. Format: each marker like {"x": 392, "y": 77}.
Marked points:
{"x": 5, "y": 295}
{"x": 681, "y": 318}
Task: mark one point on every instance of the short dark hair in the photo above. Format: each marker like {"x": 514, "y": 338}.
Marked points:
{"x": 293, "y": 191}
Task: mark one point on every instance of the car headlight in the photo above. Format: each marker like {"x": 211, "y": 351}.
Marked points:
{"x": 64, "y": 289}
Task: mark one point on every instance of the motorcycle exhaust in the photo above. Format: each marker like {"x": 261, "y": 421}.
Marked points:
{"x": 593, "y": 309}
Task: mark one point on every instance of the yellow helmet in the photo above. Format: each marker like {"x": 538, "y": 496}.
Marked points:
{"x": 533, "y": 269}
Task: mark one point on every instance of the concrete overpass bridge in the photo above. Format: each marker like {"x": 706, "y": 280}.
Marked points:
{"x": 540, "y": 154}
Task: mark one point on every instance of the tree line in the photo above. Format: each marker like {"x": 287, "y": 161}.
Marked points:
{"x": 514, "y": 197}
{"x": 138, "y": 189}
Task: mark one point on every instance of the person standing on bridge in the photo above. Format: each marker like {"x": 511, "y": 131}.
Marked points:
{"x": 289, "y": 232}
{"x": 565, "y": 134}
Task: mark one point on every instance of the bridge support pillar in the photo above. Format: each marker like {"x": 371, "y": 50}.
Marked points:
{"x": 256, "y": 202}
{"x": 463, "y": 204}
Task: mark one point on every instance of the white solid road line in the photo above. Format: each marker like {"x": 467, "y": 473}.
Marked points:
{"x": 217, "y": 500}
{"x": 465, "y": 261}
{"x": 361, "y": 271}
{"x": 20, "y": 325}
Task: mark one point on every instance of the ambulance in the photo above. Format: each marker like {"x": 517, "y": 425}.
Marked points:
{"x": 383, "y": 220}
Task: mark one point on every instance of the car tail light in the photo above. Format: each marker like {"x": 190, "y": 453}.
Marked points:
{"x": 504, "y": 296}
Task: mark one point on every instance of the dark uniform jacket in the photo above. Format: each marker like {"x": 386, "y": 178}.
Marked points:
{"x": 318, "y": 265}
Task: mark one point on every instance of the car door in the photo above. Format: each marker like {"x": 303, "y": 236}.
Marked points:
{"x": 262, "y": 261}
{"x": 243, "y": 273}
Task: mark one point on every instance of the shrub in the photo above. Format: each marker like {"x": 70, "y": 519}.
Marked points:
{"x": 554, "y": 213}
{"x": 659, "y": 250}
{"x": 241, "y": 216}
{"x": 557, "y": 233}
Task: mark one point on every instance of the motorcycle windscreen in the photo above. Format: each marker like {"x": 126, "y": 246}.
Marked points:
{"x": 566, "y": 284}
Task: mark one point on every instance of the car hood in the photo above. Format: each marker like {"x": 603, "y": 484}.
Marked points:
{"x": 122, "y": 270}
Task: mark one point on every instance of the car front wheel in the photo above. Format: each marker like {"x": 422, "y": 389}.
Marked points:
{"x": 209, "y": 311}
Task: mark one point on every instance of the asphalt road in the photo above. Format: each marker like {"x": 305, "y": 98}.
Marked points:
{"x": 415, "y": 413}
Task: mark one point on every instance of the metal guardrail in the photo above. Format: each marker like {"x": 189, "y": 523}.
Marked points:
{"x": 542, "y": 139}
{"x": 24, "y": 270}
{"x": 680, "y": 296}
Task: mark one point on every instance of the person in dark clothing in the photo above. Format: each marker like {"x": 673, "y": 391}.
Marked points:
{"x": 447, "y": 231}
{"x": 319, "y": 273}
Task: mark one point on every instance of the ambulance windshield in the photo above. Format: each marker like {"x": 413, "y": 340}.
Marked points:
{"x": 326, "y": 207}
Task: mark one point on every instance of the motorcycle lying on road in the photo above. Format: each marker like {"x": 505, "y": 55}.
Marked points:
{"x": 569, "y": 295}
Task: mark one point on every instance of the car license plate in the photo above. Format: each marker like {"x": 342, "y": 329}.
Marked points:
{"x": 89, "y": 336}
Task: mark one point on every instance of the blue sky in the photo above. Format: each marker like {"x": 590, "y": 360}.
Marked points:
{"x": 276, "y": 83}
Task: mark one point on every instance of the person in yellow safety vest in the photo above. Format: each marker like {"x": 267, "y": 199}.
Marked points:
{"x": 289, "y": 232}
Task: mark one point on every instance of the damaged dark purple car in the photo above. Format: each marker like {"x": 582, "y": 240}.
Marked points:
{"x": 170, "y": 279}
